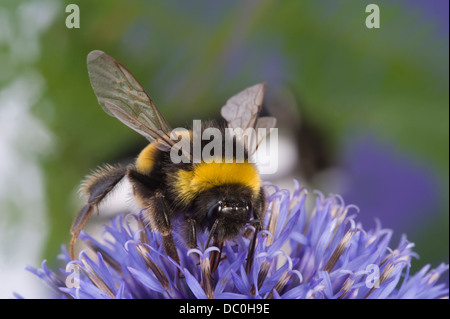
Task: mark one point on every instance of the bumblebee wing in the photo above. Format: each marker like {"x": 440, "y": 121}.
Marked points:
{"x": 263, "y": 128}
{"x": 122, "y": 96}
{"x": 242, "y": 110}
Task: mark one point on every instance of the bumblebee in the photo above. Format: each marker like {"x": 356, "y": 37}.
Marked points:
{"x": 219, "y": 197}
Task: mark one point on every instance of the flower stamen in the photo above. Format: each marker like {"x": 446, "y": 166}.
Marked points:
{"x": 95, "y": 278}
{"x": 339, "y": 250}
{"x": 157, "y": 271}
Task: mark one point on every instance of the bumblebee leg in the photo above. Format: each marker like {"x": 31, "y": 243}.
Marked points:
{"x": 251, "y": 248}
{"x": 191, "y": 233}
{"x": 170, "y": 248}
{"x": 158, "y": 216}
{"x": 215, "y": 256}
{"x": 158, "y": 213}
{"x": 77, "y": 225}
{"x": 251, "y": 251}
{"x": 171, "y": 251}
{"x": 97, "y": 187}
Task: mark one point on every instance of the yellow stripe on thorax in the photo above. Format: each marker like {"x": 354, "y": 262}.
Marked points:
{"x": 207, "y": 175}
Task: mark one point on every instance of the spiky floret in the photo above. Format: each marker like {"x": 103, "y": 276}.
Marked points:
{"x": 322, "y": 252}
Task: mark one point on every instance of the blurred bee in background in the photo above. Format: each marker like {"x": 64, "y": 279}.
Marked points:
{"x": 221, "y": 198}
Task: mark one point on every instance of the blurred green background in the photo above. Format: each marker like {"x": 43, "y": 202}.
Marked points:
{"x": 366, "y": 111}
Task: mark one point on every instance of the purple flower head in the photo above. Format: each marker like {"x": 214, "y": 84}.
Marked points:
{"x": 310, "y": 247}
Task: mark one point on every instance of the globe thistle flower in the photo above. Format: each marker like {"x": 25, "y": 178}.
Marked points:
{"x": 321, "y": 252}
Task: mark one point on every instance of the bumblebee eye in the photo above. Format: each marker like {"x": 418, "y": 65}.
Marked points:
{"x": 215, "y": 210}
{"x": 249, "y": 209}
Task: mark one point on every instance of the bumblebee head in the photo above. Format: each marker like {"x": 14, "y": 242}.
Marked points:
{"x": 224, "y": 210}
